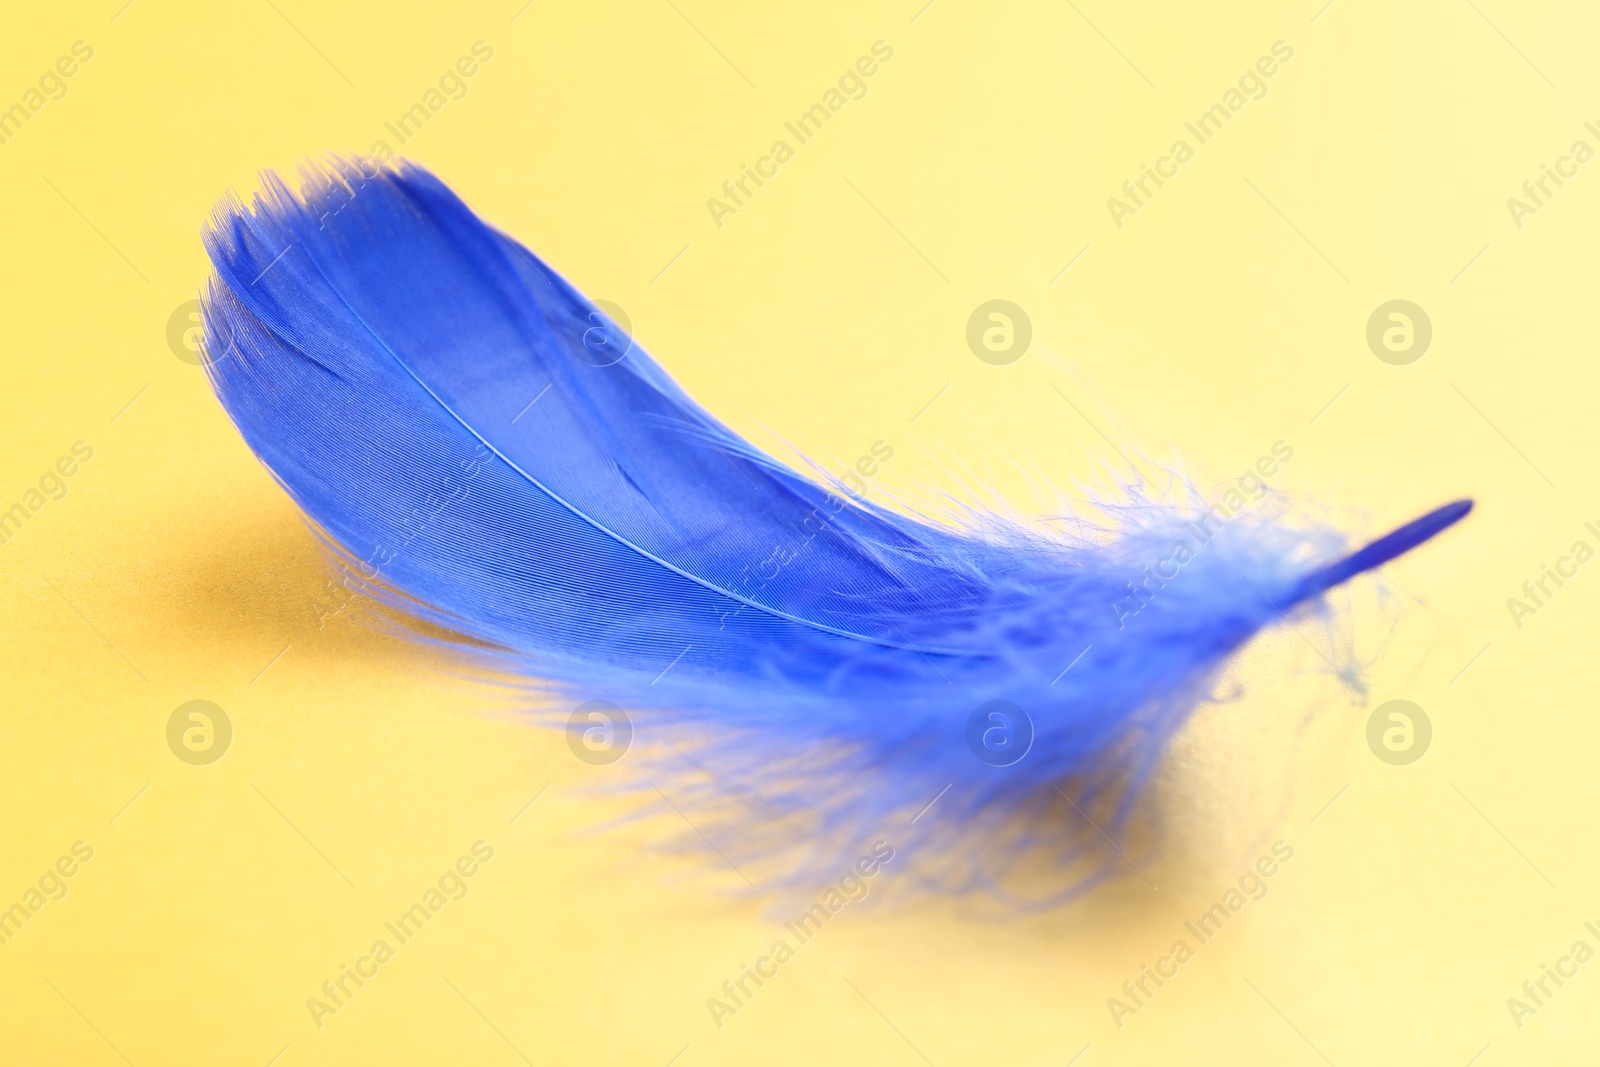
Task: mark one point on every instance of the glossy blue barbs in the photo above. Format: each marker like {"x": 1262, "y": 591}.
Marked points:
{"x": 497, "y": 457}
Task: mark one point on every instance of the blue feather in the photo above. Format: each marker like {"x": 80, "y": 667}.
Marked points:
{"x": 495, "y": 457}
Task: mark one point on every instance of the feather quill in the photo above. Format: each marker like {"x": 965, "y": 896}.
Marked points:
{"x": 497, "y": 458}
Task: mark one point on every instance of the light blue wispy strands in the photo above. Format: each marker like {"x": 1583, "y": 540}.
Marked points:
{"x": 454, "y": 416}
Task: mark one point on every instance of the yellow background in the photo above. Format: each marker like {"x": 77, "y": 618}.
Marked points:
{"x": 1221, "y": 318}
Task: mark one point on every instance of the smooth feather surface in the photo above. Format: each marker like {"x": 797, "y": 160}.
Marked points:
{"x": 495, "y": 457}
